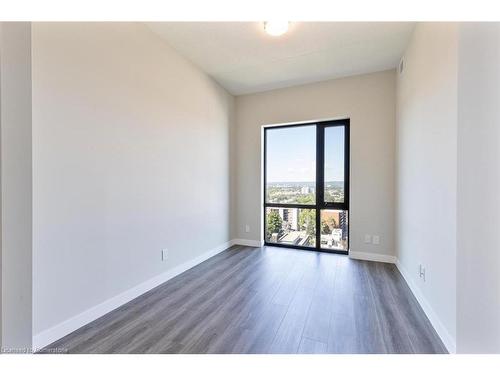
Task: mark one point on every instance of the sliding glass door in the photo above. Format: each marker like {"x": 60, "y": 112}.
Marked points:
{"x": 306, "y": 186}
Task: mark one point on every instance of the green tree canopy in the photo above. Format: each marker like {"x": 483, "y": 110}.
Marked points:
{"x": 306, "y": 199}
{"x": 307, "y": 221}
{"x": 332, "y": 223}
{"x": 274, "y": 222}
{"x": 325, "y": 229}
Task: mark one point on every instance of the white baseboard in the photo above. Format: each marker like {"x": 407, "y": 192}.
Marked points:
{"x": 244, "y": 242}
{"x": 438, "y": 325}
{"x": 374, "y": 257}
{"x": 60, "y": 330}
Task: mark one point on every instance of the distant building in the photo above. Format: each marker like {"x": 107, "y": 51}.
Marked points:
{"x": 290, "y": 217}
{"x": 343, "y": 224}
{"x": 337, "y": 236}
{"x": 305, "y": 190}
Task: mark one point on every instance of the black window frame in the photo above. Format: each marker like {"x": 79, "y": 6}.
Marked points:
{"x": 320, "y": 204}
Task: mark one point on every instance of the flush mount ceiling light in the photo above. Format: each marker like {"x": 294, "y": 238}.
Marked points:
{"x": 276, "y": 28}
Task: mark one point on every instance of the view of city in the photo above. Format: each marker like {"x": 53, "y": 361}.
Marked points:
{"x": 334, "y": 191}
{"x": 291, "y": 192}
{"x": 291, "y": 226}
{"x": 334, "y": 229}
{"x": 303, "y": 192}
{"x": 297, "y": 226}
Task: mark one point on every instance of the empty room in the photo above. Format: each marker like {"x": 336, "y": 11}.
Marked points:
{"x": 250, "y": 187}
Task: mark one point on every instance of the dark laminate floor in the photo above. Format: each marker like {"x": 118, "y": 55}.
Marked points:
{"x": 267, "y": 300}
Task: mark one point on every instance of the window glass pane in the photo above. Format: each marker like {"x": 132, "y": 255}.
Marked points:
{"x": 291, "y": 226}
{"x": 334, "y": 233}
{"x": 291, "y": 165}
{"x": 334, "y": 164}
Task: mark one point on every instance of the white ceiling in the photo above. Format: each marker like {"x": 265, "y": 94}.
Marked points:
{"x": 244, "y": 59}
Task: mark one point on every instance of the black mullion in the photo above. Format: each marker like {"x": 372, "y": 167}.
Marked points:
{"x": 346, "y": 165}
{"x": 320, "y": 156}
{"x": 322, "y": 250}
{"x": 289, "y": 205}
{"x": 265, "y": 184}
{"x": 334, "y": 205}
{"x": 347, "y": 176}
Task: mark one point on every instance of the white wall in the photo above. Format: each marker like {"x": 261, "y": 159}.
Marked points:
{"x": 16, "y": 185}
{"x": 426, "y": 172}
{"x": 369, "y": 101}
{"x": 478, "y": 257}
{"x": 131, "y": 155}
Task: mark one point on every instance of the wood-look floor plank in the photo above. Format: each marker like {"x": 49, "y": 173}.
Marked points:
{"x": 308, "y": 346}
{"x": 267, "y": 300}
{"x": 342, "y": 328}
{"x": 368, "y": 328}
{"x": 394, "y": 332}
{"x": 289, "y": 334}
{"x": 252, "y": 310}
{"x": 318, "y": 320}
{"x": 260, "y": 330}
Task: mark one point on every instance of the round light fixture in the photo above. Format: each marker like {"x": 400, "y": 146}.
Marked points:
{"x": 276, "y": 28}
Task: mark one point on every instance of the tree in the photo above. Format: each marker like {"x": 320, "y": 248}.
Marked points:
{"x": 332, "y": 223}
{"x": 325, "y": 229}
{"x": 274, "y": 222}
{"x": 306, "y": 199}
{"x": 307, "y": 221}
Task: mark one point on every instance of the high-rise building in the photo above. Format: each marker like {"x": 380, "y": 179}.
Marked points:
{"x": 290, "y": 217}
{"x": 343, "y": 223}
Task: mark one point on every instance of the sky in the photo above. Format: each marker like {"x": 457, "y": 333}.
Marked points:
{"x": 291, "y": 154}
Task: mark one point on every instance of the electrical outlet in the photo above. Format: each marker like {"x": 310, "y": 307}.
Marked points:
{"x": 164, "y": 255}
{"x": 376, "y": 240}
{"x": 421, "y": 272}
{"x": 368, "y": 238}
{"x": 247, "y": 228}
